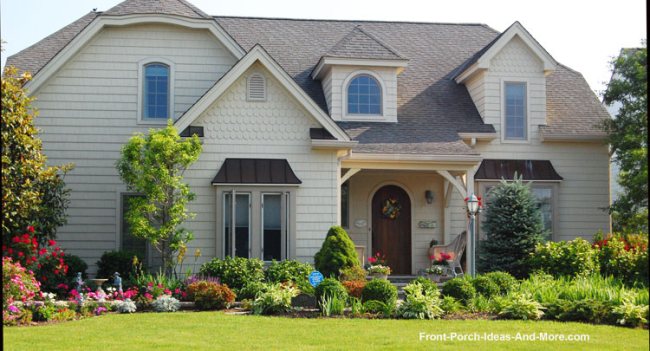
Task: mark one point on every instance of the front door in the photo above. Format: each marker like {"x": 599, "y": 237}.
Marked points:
{"x": 391, "y": 227}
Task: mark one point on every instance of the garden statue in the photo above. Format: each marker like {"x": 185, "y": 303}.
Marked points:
{"x": 80, "y": 283}
{"x": 117, "y": 281}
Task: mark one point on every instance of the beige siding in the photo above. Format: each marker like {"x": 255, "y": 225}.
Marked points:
{"x": 476, "y": 89}
{"x": 584, "y": 166}
{"x": 276, "y": 128}
{"x": 88, "y": 110}
{"x": 335, "y": 88}
{"x": 362, "y": 188}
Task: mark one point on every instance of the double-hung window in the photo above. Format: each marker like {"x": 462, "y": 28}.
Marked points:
{"x": 515, "y": 111}
{"x": 156, "y": 92}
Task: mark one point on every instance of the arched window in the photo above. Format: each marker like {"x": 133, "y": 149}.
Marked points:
{"x": 156, "y": 91}
{"x": 364, "y": 96}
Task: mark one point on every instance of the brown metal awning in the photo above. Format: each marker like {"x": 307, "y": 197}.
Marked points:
{"x": 256, "y": 171}
{"x": 505, "y": 169}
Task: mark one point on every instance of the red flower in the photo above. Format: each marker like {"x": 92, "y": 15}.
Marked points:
{"x": 30, "y": 229}
{"x": 372, "y": 260}
{"x": 51, "y": 242}
{"x": 56, "y": 271}
{"x": 42, "y": 252}
{"x": 20, "y": 254}
{"x": 15, "y": 239}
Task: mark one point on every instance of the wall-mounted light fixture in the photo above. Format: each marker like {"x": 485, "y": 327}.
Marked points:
{"x": 429, "y": 196}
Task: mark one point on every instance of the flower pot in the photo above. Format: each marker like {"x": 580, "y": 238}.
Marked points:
{"x": 378, "y": 276}
{"x": 435, "y": 277}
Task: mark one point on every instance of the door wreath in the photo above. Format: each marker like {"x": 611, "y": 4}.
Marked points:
{"x": 391, "y": 208}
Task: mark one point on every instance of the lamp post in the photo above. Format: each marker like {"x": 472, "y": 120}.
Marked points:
{"x": 473, "y": 206}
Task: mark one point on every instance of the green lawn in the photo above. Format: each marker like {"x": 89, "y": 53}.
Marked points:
{"x": 214, "y": 331}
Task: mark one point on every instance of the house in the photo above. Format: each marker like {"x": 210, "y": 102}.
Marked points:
{"x": 383, "y": 127}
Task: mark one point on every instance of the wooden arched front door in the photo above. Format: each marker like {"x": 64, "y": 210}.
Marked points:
{"x": 391, "y": 227}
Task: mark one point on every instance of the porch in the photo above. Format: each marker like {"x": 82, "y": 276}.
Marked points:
{"x": 398, "y": 205}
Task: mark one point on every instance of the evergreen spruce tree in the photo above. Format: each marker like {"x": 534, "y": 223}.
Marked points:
{"x": 336, "y": 253}
{"x": 513, "y": 225}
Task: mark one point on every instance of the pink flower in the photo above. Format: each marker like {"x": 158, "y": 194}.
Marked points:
{"x": 177, "y": 291}
{"x": 148, "y": 296}
{"x": 13, "y": 309}
{"x": 167, "y": 292}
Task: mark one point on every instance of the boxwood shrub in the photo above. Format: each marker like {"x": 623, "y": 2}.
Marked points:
{"x": 459, "y": 288}
{"x": 330, "y": 287}
{"x": 504, "y": 280}
{"x": 485, "y": 286}
{"x": 380, "y": 290}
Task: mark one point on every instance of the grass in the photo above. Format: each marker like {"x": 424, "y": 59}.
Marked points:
{"x": 215, "y": 331}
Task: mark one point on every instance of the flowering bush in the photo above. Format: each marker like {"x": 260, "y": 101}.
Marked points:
{"x": 624, "y": 257}
{"x": 44, "y": 259}
{"x": 18, "y": 283}
{"x": 16, "y": 314}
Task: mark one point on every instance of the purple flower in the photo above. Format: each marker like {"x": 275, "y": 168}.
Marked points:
{"x": 13, "y": 309}
{"x": 100, "y": 310}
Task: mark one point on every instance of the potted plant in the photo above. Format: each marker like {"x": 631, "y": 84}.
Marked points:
{"x": 379, "y": 271}
{"x": 432, "y": 243}
{"x": 439, "y": 266}
{"x": 377, "y": 267}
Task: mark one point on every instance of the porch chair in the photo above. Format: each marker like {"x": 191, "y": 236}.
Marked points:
{"x": 455, "y": 249}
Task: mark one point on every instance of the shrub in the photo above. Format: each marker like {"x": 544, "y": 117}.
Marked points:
{"x": 592, "y": 311}
{"x": 42, "y": 311}
{"x": 459, "y": 288}
{"x": 75, "y": 264}
{"x": 450, "y": 305}
{"x": 380, "y": 290}
{"x": 276, "y": 299}
{"x": 429, "y": 286}
{"x": 625, "y": 258}
{"x": 288, "y": 270}
{"x": 116, "y": 261}
{"x": 565, "y": 258}
{"x": 354, "y": 287}
{"x": 485, "y": 286}
{"x": 18, "y": 284}
{"x": 354, "y": 273}
{"x": 64, "y": 314}
{"x": 504, "y": 280}
{"x": 336, "y": 253}
{"x": 420, "y": 303}
{"x": 210, "y": 295}
{"x": 235, "y": 271}
{"x": 330, "y": 287}
{"x": 125, "y": 306}
{"x": 166, "y": 303}
{"x": 251, "y": 290}
{"x": 374, "y": 306}
{"x": 16, "y": 314}
{"x": 521, "y": 306}
{"x": 514, "y": 227}
{"x": 631, "y": 314}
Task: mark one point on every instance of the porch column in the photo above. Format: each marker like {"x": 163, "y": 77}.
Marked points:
{"x": 470, "y": 255}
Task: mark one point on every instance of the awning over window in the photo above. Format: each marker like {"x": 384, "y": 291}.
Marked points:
{"x": 529, "y": 169}
{"x": 256, "y": 171}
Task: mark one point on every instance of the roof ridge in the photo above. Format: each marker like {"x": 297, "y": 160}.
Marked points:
{"x": 381, "y": 42}
{"x": 356, "y": 20}
{"x": 195, "y": 9}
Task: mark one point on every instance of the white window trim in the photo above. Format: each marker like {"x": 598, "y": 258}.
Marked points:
{"x": 266, "y": 87}
{"x": 256, "y": 222}
{"x": 172, "y": 69}
{"x": 555, "y": 192}
{"x": 361, "y": 117}
{"x": 505, "y": 140}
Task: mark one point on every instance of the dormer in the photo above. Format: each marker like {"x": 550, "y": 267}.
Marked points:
{"x": 507, "y": 82}
{"x": 359, "y": 78}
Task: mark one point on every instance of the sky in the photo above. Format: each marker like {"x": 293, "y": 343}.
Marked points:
{"x": 582, "y": 34}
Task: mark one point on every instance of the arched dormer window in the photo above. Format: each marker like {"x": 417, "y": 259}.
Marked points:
{"x": 364, "y": 96}
{"x": 156, "y": 91}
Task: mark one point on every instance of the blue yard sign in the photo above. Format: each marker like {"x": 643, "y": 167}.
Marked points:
{"x": 315, "y": 278}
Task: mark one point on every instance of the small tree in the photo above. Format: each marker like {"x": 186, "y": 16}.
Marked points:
{"x": 33, "y": 194}
{"x": 336, "y": 253}
{"x": 628, "y": 138}
{"x": 514, "y": 227}
{"x": 153, "y": 166}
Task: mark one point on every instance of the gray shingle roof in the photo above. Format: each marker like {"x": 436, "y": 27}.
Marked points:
{"x": 360, "y": 44}
{"x": 35, "y": 57}
{"x": 432, "y": 108}
{"x": 163, "y": 7}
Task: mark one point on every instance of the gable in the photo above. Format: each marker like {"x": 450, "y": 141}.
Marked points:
{"x": 281, "y": 120}
{"x": 516, "y": 57}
